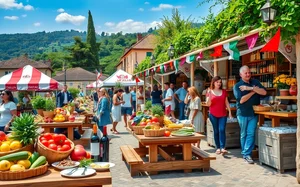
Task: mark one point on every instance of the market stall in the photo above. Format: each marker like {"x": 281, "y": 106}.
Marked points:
{"x": 122, "y": 77}
{"x": 95, "y": 84}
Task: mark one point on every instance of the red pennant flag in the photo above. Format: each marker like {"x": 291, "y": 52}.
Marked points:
{"x": 218, "y": 51}
{"x": 273, "y": 44}
{"x": 182, "y": 61}
{"x": 137, "y": 80}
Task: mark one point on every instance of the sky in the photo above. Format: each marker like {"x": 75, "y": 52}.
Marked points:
{"x": 128, "y": 16}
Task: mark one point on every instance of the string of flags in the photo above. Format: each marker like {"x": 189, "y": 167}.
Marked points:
{"x": 231, "y": 48}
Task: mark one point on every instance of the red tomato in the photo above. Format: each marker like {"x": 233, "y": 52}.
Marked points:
{"x": 58, "y": 146}
{"x": 48, "y": 136}
{"x": 167, "y": 133}
{"x": 67, "y": 142}
{"x": 88, "y": 155}
{"x": 59, "y": 138}
{"x": 78, "y": 154}
{"x": 154, "y": 119}
{"x": 45, "y": 143}
{"x": 59, "y": 149}
{"x": 79, "y": 146}
{"x": 65, "y": 148}
{"x": 2, "y": 136}
{"x": 51, "y": 142}
{"x": 53, "y": 147}
{"x": 43, "y": 138}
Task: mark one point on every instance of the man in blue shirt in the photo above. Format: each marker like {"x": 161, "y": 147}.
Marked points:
{"x": 133, "y": 98}
{"x": 247, "y": 93}
{"x": 180, "y": 96}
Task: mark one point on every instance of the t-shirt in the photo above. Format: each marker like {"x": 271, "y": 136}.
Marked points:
{"x": 5, "y": 115}
{"x": 156, "y": 97}
{"x": 126, "y": 98}
{"x": 170, "y": 93}
{"x": 181, "y": 92}
{"x": 139, "y": 101}
{"x": 133, "y": 95}
{"x": 218, "y": 106}
{"x": 25, "y": 100}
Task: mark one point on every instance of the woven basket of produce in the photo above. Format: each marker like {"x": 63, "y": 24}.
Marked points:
{"x": 261, "y": 108}
{"x": 52, "y": 155}
{"x": 138, "y": 130}
{"x": 154, "y": 133}
{"x": 29, "y": 148}
{"x": 17, "y": 175}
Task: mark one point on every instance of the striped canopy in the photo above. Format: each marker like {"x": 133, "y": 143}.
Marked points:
{"x": 28, "y": 78}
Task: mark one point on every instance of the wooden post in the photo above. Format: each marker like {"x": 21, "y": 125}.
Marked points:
{"x": 215, "y": 68}
{"x": 151, "y": 80}
{"x": 192, "y": 74}
{"x": 298, "y": 104}
{"x": 144, "y": 93}
{"x": 162, "y": 83}
{"x": 136, "y": 90}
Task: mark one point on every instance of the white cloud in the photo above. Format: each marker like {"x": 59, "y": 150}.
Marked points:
{"x": 28, "y": 7}
{"x": 11, "y": 4}
{"x": 37, "y": 24}
{"x": 164, "y": 6}
{"x": 147, "y": 3}
{"x": 24, "y": 15}
{"x": 131, "y": 26}
{"x": 13, "y": 18}
{"x": 109, "y": 24}
{"x": 67, "y": 18}
{"x": 60, "y": 10}
{"x": 141, "y": 9}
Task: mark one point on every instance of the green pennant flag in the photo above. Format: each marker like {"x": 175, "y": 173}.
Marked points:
{"x": 192, "y": 58}
{"x": 231, "y": 48}
{"x": 176, "y": 64}
{"x": 162, "y": 69}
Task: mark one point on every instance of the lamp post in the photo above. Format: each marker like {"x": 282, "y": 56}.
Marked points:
{"x": 268, "y": 13}
{"x": 152, "y": 60}
{"x": 171, "y": 51}
{"x": 65, "y": 70}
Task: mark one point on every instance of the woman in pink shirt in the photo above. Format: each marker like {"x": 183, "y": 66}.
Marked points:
{"x": 218, "y": 102}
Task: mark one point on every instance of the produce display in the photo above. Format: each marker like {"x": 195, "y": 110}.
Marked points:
{"x": 57, "y": 142}
{"x": 185, "y": 131}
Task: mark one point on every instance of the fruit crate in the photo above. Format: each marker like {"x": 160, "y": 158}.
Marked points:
{"x": 232, "y": 134}
{"x": 277, "y": 150}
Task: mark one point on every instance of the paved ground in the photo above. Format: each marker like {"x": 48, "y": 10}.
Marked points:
{"x": 229, "y": 171}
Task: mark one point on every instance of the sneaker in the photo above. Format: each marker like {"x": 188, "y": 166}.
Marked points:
{"x": 248, "y": 159}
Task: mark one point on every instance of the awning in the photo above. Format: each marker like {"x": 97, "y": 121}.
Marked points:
{"x": 28, "y": 78}
{"x": 122, "y": 77}
{"x": 94, "y": 84}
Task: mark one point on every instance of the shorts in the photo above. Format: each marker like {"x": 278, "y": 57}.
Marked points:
{"x": 126, "y": 110}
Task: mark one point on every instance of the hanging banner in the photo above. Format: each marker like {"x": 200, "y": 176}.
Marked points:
{"x": 186, "y": 69}
{"x": 273, "y": 44}
{"x": 190, "y": 59}
{"x": 288, "y": 50}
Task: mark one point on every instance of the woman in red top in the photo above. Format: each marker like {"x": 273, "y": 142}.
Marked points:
{"x": 218, "y": 102}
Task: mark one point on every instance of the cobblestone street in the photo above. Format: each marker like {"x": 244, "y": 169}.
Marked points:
{"x": 225, "y": 171}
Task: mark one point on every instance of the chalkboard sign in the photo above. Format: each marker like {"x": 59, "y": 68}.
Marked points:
{"x": 235, "y": 69}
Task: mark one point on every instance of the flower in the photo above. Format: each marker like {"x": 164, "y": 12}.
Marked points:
{"x": 284, "y": 81}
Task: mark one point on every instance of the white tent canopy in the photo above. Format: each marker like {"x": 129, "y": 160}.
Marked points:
{"x": 94, "y": 84}
{"x": 122, "y": 77}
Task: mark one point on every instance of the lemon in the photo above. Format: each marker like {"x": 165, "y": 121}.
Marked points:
{"x": 4, "y": 147}
{"x": 17, "y": 167}
{"x": 7, "y": 142}
{"x": 15, "y": 145}
{"x": 25, "y": 163}
{"x": 4, "y": 165}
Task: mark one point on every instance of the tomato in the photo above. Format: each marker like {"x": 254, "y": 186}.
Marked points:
{"x": 43, "y": 138}
{"x": 67, "y": 142}
{"x": 58, "y": 146}
{"x": 154, "y": 119}
{"x": 167, "y": 133}
{"x": 53, "y": 147}
{"x": 45, "y": 143}
{"x": 88, "y": 155}
{"x": 143, "y": 124}
{"x": 2, "y": 136}
{"x": 79, "y": 146}
{"x": 65, "y": 148}
{"x": 59, "y": 149}
{"x": 51, "y": 142}
{"x": 48, "y": 136}
{"x": 59, "y": 138}
{"x": 78, "y": 154}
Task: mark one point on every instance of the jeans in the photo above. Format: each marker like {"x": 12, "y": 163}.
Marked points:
{"x": 248, "y": 126}
{"x": 134, "y": 105}
{"x": 181, "y": 111}
{"x": 219, "y": 126}
{"x": 77, "y": 136}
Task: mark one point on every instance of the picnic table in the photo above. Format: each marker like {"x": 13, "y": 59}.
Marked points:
{"x": 166, "y": 147}
{"x": 69, "y": 125}
{"x": 53, "y": 178}
{"x": 275, "y": 117}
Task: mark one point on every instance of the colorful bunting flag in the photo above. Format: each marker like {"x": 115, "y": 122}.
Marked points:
{"x": 200, "y": 56}
{"x": 233, "y": 51}
{"x": 182, "y": 61}
{"x": 218, "y": 51}
{"x": 166, "y": 67}
{"x": 161, "y": 69}
{"x": 137, "y": 80}
{"x": 176, "y": 64}
{"x": 251, "y": 40}
{"x": 190, "y": 59}
{"x": 273, "y": 44}
{"x": 171, "y": 65}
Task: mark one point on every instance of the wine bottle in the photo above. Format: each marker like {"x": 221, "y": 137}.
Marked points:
{"x": 95, "y": 142}
{"x": 104, "y": 147}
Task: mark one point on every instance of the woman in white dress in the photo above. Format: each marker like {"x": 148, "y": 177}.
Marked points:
{"x": 195, "y": 115}
{"x": 116, "y": 109}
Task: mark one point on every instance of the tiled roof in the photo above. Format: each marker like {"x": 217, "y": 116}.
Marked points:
{"x": 77, "y": 74}
{"x": 18, "y": 62}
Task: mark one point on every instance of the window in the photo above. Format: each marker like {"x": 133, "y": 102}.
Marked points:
{"x": 148, "y": 54}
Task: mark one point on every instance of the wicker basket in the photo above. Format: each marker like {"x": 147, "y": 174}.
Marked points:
{"x": 154, "y": 133}
{"x": 52, "y": 155}
{"x": 17, "y": 175}
{"x": 262, "y": 108}
{"x": 138, "y": 130}
{"x": 29, "y": 148}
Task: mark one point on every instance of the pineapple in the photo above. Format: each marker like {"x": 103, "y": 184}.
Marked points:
{"x": 24, "y": 129}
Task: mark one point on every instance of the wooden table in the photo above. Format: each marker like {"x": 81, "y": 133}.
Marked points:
{"x": 69, "y": 125}
{"x": 53, "y": 179}
{"x": 167, "y": 147}
{"x": 275, "y": 117}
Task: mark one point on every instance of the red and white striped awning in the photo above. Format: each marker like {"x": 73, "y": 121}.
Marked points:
{"x": 28, "y": 78}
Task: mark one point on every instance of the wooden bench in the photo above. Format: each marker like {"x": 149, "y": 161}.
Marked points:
{"x": 202, "y": 155}
{"x": 131, "y": 157}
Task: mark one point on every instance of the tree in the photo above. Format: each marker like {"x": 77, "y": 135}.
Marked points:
{"x": 91, "y": 41}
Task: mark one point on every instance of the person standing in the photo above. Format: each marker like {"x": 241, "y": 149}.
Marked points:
{"x": 133, "y": 98}
{"x": 169, "y": 99}
{"x": 247, "y": 93}
{"x": 103, "y": 112}
{"x": 180, "y": 96}
{"x": 8, "y": 110}
{"x": 95, "y": 97}
{"x": 63, "y": 97}
{"x": 126, "y": 108}
{"x": 156, "y": 96}
{"x": 148, "y": 94}
{"x": 26, "y": 99}
{"x": 116, "y": 110}
{"x": 140, "y": 97}
{"x": 81, "y": 94}
{"x": 195, "y": 115}
{"x": 218, "y": 102}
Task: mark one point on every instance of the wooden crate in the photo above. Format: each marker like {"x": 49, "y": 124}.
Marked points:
{"x": 232, "y": 135}
{"x": 277, "y": 150}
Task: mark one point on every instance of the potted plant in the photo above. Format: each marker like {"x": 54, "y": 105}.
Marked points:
{"x": 38, "y": 103}
{"x": 157, "y": 111}
{"x": 283, "y": 83}
{"x": 49, "y": 108}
